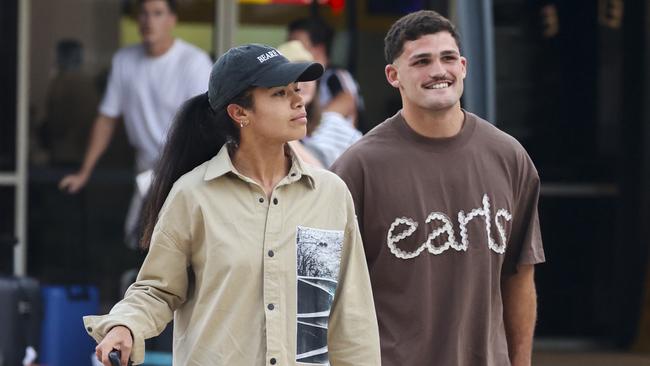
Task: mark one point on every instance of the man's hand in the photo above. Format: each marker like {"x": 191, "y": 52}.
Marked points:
{"x": 118, "y": 338}
{"x": 343, "y": 103}
{"x": 100, "y": 137}
{"x": 73, "y": 183}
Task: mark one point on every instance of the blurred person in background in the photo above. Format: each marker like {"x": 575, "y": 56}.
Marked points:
{"x": 329, "y": 134}
{"x": 317, "y": 37}
{"x": 447, "y": 207}
{"x": 147, "y": 84}
{"x": 62, "y": 132}
{"x": 255, "y": 254}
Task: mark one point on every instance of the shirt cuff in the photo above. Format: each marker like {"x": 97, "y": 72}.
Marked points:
{"x": 98, "y": 326}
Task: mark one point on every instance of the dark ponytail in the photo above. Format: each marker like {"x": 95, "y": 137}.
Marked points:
{"x": 196, "y": 135}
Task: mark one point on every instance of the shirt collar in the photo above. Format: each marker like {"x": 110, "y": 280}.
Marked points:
{"x": 221, "y": 164}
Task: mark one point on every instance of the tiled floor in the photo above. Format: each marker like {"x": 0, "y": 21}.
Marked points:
{"x": 563, "y": 358}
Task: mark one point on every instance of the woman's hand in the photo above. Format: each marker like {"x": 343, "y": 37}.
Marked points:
{"x": 118, "y": 338}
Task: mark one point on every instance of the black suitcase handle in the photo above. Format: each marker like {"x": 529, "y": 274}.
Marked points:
{"x": 115, "y": 357}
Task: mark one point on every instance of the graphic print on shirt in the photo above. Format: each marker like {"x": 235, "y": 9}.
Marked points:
{"x": 318, "y": 254}
{"x": 403, "y": 227}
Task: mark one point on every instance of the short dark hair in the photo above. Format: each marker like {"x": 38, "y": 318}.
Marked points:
{"x": 69, "y": 54}
{"x": 319, "y": 31}
{"x": 413, "y": 26}
{"x": 171, "y": 4}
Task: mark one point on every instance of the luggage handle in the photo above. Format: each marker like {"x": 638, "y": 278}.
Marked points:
{"x": 115, "y": 356}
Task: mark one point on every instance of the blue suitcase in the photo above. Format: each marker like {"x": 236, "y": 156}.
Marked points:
{"x": 64, "y": 340}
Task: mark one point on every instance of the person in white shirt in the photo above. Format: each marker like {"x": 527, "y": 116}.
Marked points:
{"x": 148, "y": 83}
{"x": 329, "y": 133}
{"x": 317, "y": 36}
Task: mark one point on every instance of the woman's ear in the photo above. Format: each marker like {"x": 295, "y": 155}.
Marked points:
{"x": 237, "y": 113}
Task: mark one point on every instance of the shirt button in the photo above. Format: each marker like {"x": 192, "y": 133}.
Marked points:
{"x": 273, "y": 361}
{"x": 270, "y": 306}
{"x": 261, "y": 200}
{"x": 275, "y": 201}
{"x": 271, "y": 254}
{"x": 89, "y": 329}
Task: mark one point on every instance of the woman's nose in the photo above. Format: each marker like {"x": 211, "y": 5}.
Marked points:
{"x": 297, "y": 99}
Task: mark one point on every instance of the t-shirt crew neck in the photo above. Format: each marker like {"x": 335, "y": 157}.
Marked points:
{"x": 436, "y": 144}
{"x": 176, "y": 44}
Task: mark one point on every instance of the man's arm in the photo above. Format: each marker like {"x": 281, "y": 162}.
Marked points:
{"x": 342, "y": 82}
{"x": 343, "y": 103}
{"x": 520, "y": 313}
{"x": 100, "y": 137}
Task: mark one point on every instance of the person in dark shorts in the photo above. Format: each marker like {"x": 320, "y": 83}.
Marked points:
{"x": 447, "y": 208}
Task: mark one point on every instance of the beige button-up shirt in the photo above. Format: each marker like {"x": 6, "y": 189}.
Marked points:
{"x": 250, "y": 280}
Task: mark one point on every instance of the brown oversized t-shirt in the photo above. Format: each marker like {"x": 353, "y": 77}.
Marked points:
{"x": 442, "y": 221}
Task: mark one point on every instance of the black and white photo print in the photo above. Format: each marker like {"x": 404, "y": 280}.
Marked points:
{"x": 318, "y": 263}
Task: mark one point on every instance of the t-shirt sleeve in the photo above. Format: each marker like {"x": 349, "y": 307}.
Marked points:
{"x": 525, "y": 244}
{"x": 353, "y": 310}
{"x": 111, "y": 105}
{"x": 350, "y": 169}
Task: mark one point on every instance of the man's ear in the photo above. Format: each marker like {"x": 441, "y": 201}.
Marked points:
{"x": 391, "y": 75}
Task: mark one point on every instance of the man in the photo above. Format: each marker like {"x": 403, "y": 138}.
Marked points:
{"x": 147, "y": 84}
{"x": 336, "y": 86}
{"x": 447, "y": 206}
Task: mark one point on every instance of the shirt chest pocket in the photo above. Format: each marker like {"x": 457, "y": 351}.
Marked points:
{"x": 229, "y": 250}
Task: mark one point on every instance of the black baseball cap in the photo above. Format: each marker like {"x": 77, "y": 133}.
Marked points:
{"x": 253, "y": 65}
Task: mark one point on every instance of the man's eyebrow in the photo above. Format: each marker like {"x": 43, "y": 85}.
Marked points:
{"x": 420, "y": 56}
{"x": 450, "y": 52}
{"x": 429, "y": 54}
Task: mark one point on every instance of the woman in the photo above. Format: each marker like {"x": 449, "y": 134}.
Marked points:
{"x": 256, "y": 255}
